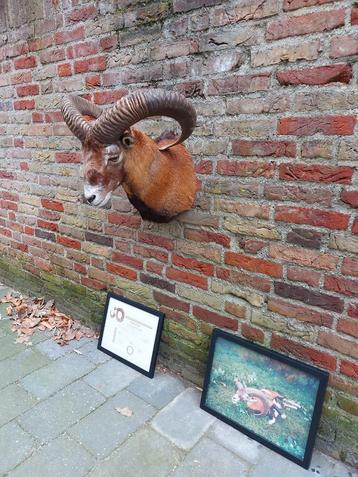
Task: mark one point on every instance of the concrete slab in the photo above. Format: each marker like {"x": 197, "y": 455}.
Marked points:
{"x": 14, "y": 400}
{"x": 15, "y": 446}
{"x": 20, "y": 365}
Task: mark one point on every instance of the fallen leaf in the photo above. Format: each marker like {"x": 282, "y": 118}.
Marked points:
{"x": 9, "y": 310}
{"x": 77, "y": 351}
{"x": 125, "y": 411}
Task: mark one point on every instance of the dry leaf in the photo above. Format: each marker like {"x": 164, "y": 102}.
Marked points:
{"x": 9, "y": 310}
{"x": 125, "y": 411}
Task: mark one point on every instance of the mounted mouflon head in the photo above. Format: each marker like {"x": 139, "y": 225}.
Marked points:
{"x": 157, "y": 176}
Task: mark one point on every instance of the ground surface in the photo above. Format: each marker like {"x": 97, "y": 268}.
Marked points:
{"x": 58, "y": 418}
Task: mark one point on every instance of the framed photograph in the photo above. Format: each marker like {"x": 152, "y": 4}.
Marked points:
{"x": 271, "y": 398}
{"x": 131, "y": 333}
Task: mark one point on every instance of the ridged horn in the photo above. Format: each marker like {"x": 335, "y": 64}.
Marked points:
{"x": 73, "y": 108}
{"x": 140, "y": 105}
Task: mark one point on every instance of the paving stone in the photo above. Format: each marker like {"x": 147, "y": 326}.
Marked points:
{"x": 145, "y": 454}
{"x": 235, "y": 441}
{"x": 182, "y": 421}
{"x": 324, "y": 466}
{"x": 91, "y": 353}
{"x": 51, "y": 417}
{"x": 8, "y": 347}
{"x": 14, "y": 400}
{"x": 211, "y": 460}
{"x": 45, "y": 381}
{"x": 15, "y": 446}
{"x": 103, "y": 430}
{"x": 53, "y": 350}
{"x": 5, "y": 328}
{"x": 158, "y": 391}
{"x": 60, "y": 458}
{"x": 271, "y": 465}
{"x": 111, "y": 377}
{"x": 20, "y": 365}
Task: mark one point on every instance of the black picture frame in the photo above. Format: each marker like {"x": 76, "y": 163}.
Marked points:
{"x": 212, "y": 394}
{"x": 159, "y": 319}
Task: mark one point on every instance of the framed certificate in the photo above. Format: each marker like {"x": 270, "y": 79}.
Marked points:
{"x": 131, "y": 333}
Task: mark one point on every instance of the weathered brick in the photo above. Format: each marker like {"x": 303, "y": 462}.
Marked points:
{"x": 303, "y": 275}
{"x": 124, "y": 259}
{"x": 264, "y": 148}
{"x": 186, "y": 5}
{"x": 246, "y": 168}
{"x": 257, "y": 265}
{"x": 122, "y": 271}
{"x": 317, "y": 357}
{"x": 24, "y": 62}
{"x": 335, "y": 342}
{"x": 171, "y": 302}
{"x": 344, "y": 286}
{"x": 295, "y": 4}
{"x": 350, "y": 266}
{"x": 301, "y": 313}
{"x": 328, "y": 125}
{"x": 193, "y": 264}
{"x": 316, "y": 76}
{"x": 305, "y": 238}
{"x": 252, "y": 333}
{"x": 317, "y": 149}
{"x": 304, "y": 24}
{"x": 343, "y": 46}
{"x": 214, "y": 318}
{"x": 187, "y": 277}
{"x": 269, "y": 104}
{"x": 298, "y": 193}
{"x": 271, "y": 56}
{"x": 350, "y": 197}
{"x": 349, "y": 327}
{"x": 316, "y": 217}
{"x": 349, "y": 369}
{"x": 308, "y": 258}
{"x": 239, "y": 84}
{"x": 157, "y": 282}
{"x": 322, "y": 300}
{"x": 316, "y": 173}
{"x": 249, "y": 227}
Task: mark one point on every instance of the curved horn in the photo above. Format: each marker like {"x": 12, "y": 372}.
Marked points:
{"x": 140, "y": 105}
{"x": 73, "y": 108}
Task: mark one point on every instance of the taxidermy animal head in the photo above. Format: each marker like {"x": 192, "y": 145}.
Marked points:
{"x": 157, "y": 176}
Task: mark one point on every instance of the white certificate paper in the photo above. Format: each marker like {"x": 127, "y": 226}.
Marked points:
{"x": 130, "y": 333}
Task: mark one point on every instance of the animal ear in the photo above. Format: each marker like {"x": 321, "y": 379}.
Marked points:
{"x": 127, "y": 139}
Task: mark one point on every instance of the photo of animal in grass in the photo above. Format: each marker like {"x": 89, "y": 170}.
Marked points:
{"x": 263, "y": 396}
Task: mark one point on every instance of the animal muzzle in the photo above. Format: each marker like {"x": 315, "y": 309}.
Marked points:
{"x": 96, "y": 195}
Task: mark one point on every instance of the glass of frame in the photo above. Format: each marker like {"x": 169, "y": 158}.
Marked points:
{"x": 131, "y": 333}
{"x": 271, "y": 398}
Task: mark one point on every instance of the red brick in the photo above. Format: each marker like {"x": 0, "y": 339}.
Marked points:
{"x": 350, "y": 197}
{"x": 328, "y": 125}
{"x": 350, "y": 266}
{"x": 171, "y": 302}
{"x": 47, "y": 225}
{"x": 78, "y": 267}
{"x": 304, "y": 24}
{"x": 204, "y": 167}
{"x": 246, "y": 168}
{"x": 234, "y": 276}
{"x": 122, "y": 271}
{"x": 253, "y": 264}
{"x": 40, "y": 43}
{"x": 354, "y": 15}
{"x": 252, "y": 333}
{"x": 24, "y": 104}
{"x": 310, "y": 297}
{"x": 316, "y": 76}
{"x": 49, "y": 214}
{"x": 187, "y": 277}
{"x": 316, "y": 217}
{"x": 264, "y": 148}
{"x": 107, "y": 97}
{"x": 193, "y": 264}
{"x": 52, "y": 204}
{"x": 301, "y": 313}
{"x": 68, "y": 242}
{"x": 28, "y": 90}
{"x": 317, "y": 149}
{"x": 53, "y": 117}
{"x": 154, "y": 267}
{"x": 93, "y": 81}
{"x": 349, "y": 327}
{"x": 303, "y": 275}
{"x": 335, "y": 342}
{"x": 305, "y": 238}
{"x": 353, "y": 310}
{"x": 239, "y": 84}
{"x": 108, "y": 43}
{"x": 355, "y": 226}
{"x": 294, "y": 4}
{"x": 64, "y": 69}
{"x": 344, "y": 46}
{"x": 348, "y": 368}
{"x": 25, "y": 62}
{"x": 147, "y": 252}
{"x": 91, "y": 283}
{"x": 214, "y": 318}
{"x": 82, "y": 49}
{"x": 127, "y": 260}
{"x": 98, "y": 63}
{"x": 317, "y": 357}
{"x": 157, "y": 282}
{"x": 126, "y": 220}
{"x": 82, "y": 14}
{"x": 21, "y": 77}
{"x": 52, "y": 56}
{"x": 316, "y": 172}
{"x": 252, "y": 245}
{"x": 156, "y": 240}
{"x": 65, "y": 36}
{"x": 343, "y": 286}
{"x": 68, "y": 157}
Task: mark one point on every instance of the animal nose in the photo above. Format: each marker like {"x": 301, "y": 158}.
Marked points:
{"x": 91, "y": 199}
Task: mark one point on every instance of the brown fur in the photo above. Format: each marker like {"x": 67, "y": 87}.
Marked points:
{"x": 164, "y": 181}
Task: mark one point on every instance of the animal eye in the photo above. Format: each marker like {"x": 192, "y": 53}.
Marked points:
{"x": 113, "y": 159}
{"x": 127, "y": 141}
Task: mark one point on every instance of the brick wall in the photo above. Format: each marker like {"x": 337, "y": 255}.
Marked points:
{"x": 269, "y": 252}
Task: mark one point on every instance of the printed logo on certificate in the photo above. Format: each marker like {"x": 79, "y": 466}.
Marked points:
{"x": 131, "y": 333}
